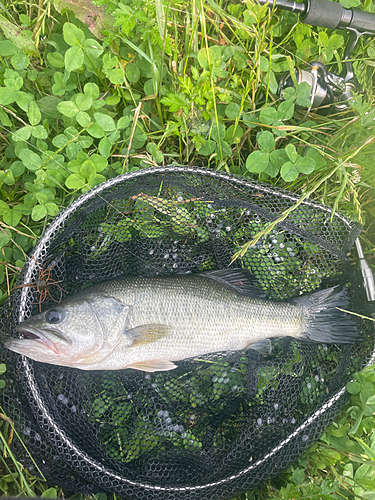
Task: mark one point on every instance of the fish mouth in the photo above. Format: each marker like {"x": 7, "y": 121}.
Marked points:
{"x": 37, "y": 336}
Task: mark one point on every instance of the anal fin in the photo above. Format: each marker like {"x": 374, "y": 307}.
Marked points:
{"x": 263, "y": 346}
{"x": 153, "y": 365}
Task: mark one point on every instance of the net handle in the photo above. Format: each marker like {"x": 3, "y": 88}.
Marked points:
{"x": 366, "y": 271}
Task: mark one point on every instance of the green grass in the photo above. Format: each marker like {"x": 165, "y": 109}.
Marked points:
{"x": 191, "y": 83}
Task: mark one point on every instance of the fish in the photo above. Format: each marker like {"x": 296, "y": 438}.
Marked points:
{"x": 150, "y": 323}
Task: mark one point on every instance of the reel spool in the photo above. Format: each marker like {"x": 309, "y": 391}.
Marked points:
{"x": 326, "y": 88}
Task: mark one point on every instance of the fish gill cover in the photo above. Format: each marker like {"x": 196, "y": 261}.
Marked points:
{"x": 216, "y": 425}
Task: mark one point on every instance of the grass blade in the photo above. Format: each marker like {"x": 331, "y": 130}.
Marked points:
{"x": 160, "y": 18}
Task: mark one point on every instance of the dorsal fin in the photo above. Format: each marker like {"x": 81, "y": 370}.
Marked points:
{"x": 240, "y": 280}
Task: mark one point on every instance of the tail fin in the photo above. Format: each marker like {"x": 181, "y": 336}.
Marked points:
{"x": 326, "y": 322}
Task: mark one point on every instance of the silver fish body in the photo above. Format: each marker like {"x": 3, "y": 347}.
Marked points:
{"x": 147, "y": 323}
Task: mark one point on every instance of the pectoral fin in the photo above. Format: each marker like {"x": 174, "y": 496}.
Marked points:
{"x": 146, "y": 334}
{"x": 153, "y": 365}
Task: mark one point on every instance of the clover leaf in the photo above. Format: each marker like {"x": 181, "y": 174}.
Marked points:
{"x": 297, "y": 164}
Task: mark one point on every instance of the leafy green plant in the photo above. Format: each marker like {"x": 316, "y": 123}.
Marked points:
{"x": 272, "y": 161}
{"x": 2, "y": 371}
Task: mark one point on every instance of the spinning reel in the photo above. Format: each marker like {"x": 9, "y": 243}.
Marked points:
{"x": 328, "y": 88}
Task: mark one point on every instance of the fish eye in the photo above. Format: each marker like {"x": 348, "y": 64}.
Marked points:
{"x": 53, "y": 316}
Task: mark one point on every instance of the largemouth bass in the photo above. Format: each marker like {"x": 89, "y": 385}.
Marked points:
{"x": 148, "y": 323}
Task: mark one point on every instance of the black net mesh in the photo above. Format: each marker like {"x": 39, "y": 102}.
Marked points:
{"x": 213, "y": 427}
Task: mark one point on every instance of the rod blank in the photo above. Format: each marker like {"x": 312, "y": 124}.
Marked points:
{"x": 327, "y": 14}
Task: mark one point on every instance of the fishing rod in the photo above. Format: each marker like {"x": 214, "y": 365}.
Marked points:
{"x": 327, "y": 88}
